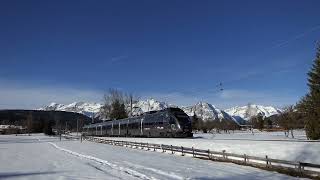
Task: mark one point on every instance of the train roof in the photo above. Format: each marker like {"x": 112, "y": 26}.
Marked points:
{"x": 170, "y": 109}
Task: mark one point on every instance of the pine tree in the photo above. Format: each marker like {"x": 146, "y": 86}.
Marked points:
{"x": 118, "y": 110}
{"x": 260, "y": 122}
{"x": 309, "y": 106}
{"x": 195, "y": 122}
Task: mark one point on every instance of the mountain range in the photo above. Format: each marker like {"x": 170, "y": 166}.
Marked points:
{"x": 204, "y": 110}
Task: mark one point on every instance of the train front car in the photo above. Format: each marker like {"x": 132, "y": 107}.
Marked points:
{"x": 180, "y": 123}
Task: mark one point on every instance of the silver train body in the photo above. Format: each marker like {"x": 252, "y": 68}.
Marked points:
{"x": 170, "y": 122}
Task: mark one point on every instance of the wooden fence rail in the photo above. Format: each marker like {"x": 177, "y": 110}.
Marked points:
{"x": 300, "y": 169}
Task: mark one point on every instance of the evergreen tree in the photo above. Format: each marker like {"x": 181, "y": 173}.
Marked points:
{"x": 118, "y": 110}
{"x": 309, "y": 106}
{"x": 260, "y": 122}
{"x": 47, "y": 128}
{"x": 195, "y": 122}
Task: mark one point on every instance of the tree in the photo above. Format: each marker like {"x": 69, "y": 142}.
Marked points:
{"x": 309, "y": 106}
{"x": 260, "y": 122}
{"x": 47, "y": 127}
{"x": 209, "y": 125}
{"x": 249, "y": 111}
{"x": 195, "y": 122}
{"x": 114, "y": 103}
{"x": 268, "y": 122}
{"x": 118, "y": 110}
{"x": 130, "y": 99}
{"x": 257, "y": 121}
{"x": 29, "y": 123}
{"x": 289, "y": 120}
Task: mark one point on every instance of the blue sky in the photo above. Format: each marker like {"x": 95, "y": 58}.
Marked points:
{"x": 177, "y": 51}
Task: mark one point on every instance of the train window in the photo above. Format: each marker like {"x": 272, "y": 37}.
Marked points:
{"x": 182, "y": 118}
{"x": 172, "y": 121}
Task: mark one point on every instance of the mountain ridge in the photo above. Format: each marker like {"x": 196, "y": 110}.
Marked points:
{"x": 204, "y": 110}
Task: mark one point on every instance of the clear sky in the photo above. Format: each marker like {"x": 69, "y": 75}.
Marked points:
{"x": 173, "y": 50}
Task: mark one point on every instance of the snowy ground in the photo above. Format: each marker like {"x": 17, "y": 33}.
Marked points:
{"x": 299, "y": 135}
{"x": 273, "y": 144}
{"x": 41, "y": 157}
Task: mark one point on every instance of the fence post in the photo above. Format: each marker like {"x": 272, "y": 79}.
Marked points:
{"x": 209, "y": 154}
{"x": 267, "y": 161}
{"x": 300, "y": 168}
{"x": 81, "y": 138}
{"x": 193, "y": 152}
{"x": 182, "y": 151}
{"x": 224, "y": 154}
{"x": 171, "y": 150}
{"x": 245, "y": 158}
{"x": 148, "y": 146}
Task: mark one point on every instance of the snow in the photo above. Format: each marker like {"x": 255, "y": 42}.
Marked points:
{"x": 202, "y": 109}
{"x": 41, "y": 157}
{"x": 207, "y": 112}
{"x": 88, "y": 109}
{"x": 150, "y": 105}
{"x": 273, "y": 144}
{"x": 246, "y": 112}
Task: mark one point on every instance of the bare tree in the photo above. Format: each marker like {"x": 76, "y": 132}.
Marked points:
{"x": 29, "y": 123}
{"x": 247, "y": 113}
{"x": 109, "y": 98}
{"x": 257, "y": 121}
{"x": 115, "y": 99}
{"x": 130, "y": 99}
{"x": 289, "y": 120}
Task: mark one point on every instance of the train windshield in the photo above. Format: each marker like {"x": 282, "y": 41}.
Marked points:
{"x": 182, "y": 118}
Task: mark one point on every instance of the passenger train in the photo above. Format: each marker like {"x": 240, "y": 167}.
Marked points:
{"x": 170, "y": 122}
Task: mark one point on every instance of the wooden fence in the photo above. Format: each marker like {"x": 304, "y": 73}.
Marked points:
{"x": 299, "y": 169}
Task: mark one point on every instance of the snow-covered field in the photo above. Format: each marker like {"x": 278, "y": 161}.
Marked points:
{"x": 42, "y": 157}
{"x": 273, "y": 144}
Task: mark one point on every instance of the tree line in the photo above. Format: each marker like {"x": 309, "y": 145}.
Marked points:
{"x": 36, "y": 121}
{"x": 225, "y": 125}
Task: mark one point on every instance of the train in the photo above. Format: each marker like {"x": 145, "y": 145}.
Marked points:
{"x": 169, "y": 122}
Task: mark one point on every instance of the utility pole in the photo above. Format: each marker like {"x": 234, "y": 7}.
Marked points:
{"x": 60, "y": 130}
{"x": 130, "y": 105}
{"x": 65, "y": 131}
{"x": 77, "y": 126}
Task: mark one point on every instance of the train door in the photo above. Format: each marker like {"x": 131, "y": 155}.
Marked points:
{"x": 119, "y": 128}
{"x": 127, "y": 128}
{"x": 141, "y": 126}
{"x": 112, "y": 128}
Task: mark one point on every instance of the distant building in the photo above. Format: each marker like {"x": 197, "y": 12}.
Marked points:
{"x": 12, "y": 129}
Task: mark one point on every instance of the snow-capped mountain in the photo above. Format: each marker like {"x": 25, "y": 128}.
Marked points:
{"x": 246, "y": 112}
{"x": 88, "y": 109}
{"x": 207, "y": 112}
{"x": 93, "y": 109}
{"x": 147, "y": 105}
